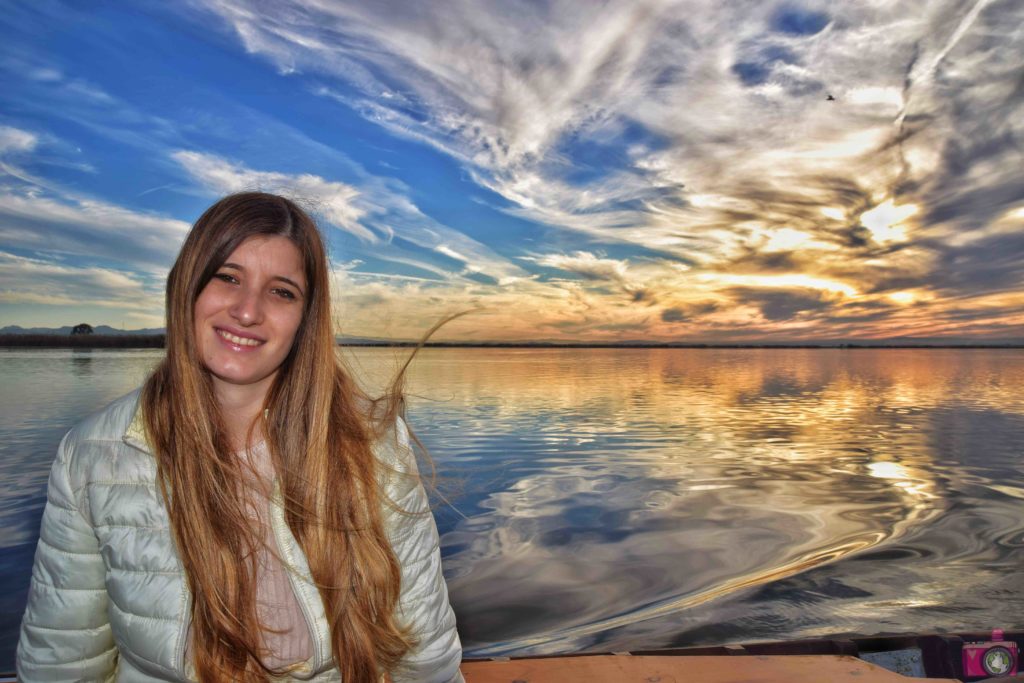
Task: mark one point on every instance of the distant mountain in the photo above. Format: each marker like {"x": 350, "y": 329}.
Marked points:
{"x": 100, "y": 329}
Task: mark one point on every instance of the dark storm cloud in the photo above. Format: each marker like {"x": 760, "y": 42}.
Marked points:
{"x": 781, "y": 304}
{"x": 642, "y": 295}
{"x": 799, "y": 204}
{"x": 975, "y": 208}
{"x": 857, "y": 236}
{"x": 991, "y": 264}
{"x": 753, "y": 261}
{"x": 679, "y": 314}
{"x": 673, "y": 315}
{"x": 978, "y": 176}
{"x": 863, "y": 318}
{"x": 979, "y": 315}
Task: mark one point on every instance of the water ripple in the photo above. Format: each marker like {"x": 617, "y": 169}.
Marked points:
{"x": 626, "y": 498}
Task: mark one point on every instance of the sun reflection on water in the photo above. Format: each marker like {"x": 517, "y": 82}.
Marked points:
{"x": 653, "y": 486}
{"x": 619, "y": 499}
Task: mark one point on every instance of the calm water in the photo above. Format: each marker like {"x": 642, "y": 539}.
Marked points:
{"x": 627, "y": 499}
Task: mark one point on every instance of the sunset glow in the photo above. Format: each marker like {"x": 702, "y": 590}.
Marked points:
{"x": 655, "y": 171}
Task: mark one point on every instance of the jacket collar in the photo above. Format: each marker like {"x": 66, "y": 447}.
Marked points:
{"x": 135, "y": 435}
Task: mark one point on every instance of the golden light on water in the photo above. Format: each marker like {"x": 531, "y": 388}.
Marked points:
{"x": 799, "y": 458}
{"x": 654, "y": 491}
{"x": 913, "y": 481}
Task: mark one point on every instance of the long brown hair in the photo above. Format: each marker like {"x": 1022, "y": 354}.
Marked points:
{"x": 318, "y": 427}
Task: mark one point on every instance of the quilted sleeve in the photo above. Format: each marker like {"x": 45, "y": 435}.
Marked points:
{"x": 424, "y": 599}
{"x": 65, "y": 635}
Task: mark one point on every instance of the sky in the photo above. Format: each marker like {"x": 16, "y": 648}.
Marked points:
{"x": 568, "y": 171}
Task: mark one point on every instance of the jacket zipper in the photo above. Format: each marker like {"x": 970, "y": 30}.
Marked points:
{"x": 183, "y": 634}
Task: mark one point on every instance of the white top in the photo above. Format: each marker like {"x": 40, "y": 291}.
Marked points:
{"x": 286, "y": 639}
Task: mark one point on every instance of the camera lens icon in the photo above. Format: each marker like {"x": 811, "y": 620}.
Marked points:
{"x": 997, "y": 661}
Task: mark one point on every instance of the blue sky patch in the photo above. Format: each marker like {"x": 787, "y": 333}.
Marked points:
{"x": 799, "y": 22}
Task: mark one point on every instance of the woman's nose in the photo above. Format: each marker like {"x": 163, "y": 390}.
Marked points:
{"x": 247, "y": 307}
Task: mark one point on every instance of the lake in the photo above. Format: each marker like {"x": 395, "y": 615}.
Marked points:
{"x": 618, "y": 499}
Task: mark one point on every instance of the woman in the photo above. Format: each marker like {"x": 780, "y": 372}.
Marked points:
{"x": 248, "y": 513}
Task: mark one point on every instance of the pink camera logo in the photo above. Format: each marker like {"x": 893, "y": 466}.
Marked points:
{"x": 997, "y": 657}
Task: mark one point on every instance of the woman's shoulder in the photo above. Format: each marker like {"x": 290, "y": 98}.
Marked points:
{"x": 393, "y": 448}
{"x": 109, "y": 423}
{"x": 399, "y": 475}
{"x": 96, "y": 449}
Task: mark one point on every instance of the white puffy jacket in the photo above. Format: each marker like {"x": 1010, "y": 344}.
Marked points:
{"x": 109, "y": 599}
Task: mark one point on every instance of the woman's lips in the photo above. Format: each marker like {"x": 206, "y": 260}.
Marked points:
{"x": 238, "y": 340}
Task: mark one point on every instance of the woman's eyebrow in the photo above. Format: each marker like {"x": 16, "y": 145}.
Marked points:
{"x": 282, "y": 278}
{"x": 294, "y": 284}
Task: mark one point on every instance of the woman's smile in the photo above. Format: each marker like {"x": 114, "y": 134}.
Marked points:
{"x": 238, "y": 340}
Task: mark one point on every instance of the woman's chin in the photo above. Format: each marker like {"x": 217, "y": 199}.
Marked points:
{"x": 237, "y": 376}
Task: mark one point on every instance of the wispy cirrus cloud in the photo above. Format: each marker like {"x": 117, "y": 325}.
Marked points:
{"x": 498, "y": 90}
{"x": 661, "y": 169}
{"x": 98, "y": 231}
{"x": 373, "y": 212}
{"x": 712, "y": 134}
{"x": 40, "y": 282}
{"x": 14, "y": 140}
{"x": 335, "y": 200}
{"x": 586, "y": 264}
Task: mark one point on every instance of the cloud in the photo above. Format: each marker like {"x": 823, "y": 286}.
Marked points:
{"x": 679, "y": 314}
{"x": 493, "y": 88}
{"x": 673, "y": 315}
{"x": 783, "y": 304}
{"x": 14, "y": 140}
{"x": 45, "y": 283}
{"x": 691, "y": 141}
{"x": 377, "y": 212}
{"x": 721, "y": 109}
{"x": 513, "y": 96}
{"x": 586, "y": 265}
{"x": 991, "y": 264}
{"x": 334, "y": 200}
{"x": 600, "y": 270}
{"x": 31, "y": 219}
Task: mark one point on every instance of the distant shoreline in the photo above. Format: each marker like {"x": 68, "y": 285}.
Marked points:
{"x": 156, "y": 341}
{"x": 83, "y": 341}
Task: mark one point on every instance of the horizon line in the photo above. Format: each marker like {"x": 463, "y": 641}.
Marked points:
{"x": 50, "y": 340}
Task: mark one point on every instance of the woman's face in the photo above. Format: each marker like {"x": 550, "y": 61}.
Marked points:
{"x": 247, "y": 315}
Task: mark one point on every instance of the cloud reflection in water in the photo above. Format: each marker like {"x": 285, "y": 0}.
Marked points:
{"x": 634, "y": 488}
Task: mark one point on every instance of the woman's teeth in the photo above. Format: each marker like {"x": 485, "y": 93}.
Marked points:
{"x": 241, "y": 341}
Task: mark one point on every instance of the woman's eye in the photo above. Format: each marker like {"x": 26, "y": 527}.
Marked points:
{"x": 285, "y": 294}
{"x": 227, "y": 277}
